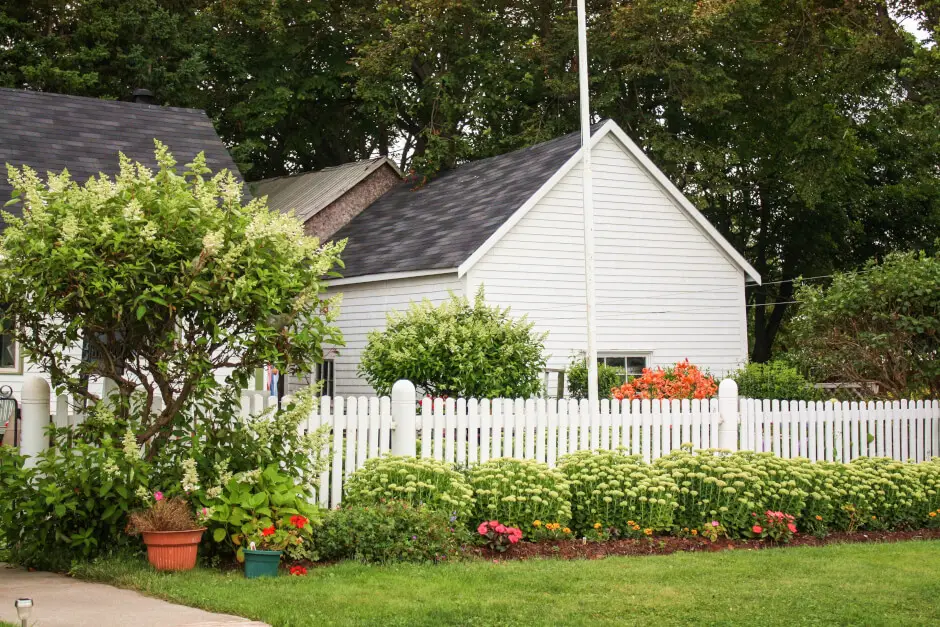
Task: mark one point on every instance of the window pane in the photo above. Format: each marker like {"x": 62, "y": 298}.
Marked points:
{"x": 7, "y": 352}
{"x": 635, "y": 365}
{"x": 616, "y": 362}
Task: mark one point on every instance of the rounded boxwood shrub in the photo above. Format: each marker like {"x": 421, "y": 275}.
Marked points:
{"x": 429, "y": 482}
{"x": 613, "y": 489}
{"x": 394, "y": 531}
{"x": 517, "y": 492}
{"x": 774, "y": 380}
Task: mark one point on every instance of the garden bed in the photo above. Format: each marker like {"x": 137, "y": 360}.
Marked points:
{"x": 577, "y": 549}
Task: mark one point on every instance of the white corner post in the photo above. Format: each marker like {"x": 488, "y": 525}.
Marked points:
{"x": 404, "y": 405}
{"x": 35, "y": 417}
{"x": 588, "y": 201}
{"x": 728, "y": 415}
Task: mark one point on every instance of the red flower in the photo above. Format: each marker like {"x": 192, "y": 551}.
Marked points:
{"x": 298, "y": 571}
{"x": 298, "y": 521}
{"x": 268, "y": 532}
{"x": 791, "y": 527}
{"x": 757, "y": 529}
{"x": 482, "y": 529}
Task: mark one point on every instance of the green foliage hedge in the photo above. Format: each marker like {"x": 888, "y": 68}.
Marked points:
{"x": 774, "y": 380}
{"x": 608, "y": 377}
{"x": 393, "y": 531}
{"x": 428, "y": 482}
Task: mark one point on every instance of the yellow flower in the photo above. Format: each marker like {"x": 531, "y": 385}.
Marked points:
{"x": 933, "y": 514}
{"x": 818, "y": 517}
{"x": 537, "y": 523}
{"x": 566, "y": 530}
{"x": 874, "y": 518}
{"x": 598, "y": 525}
{"x": 695, "y": 532}
{"x": 631, "y": 523}
{"x": 648, "y": 532}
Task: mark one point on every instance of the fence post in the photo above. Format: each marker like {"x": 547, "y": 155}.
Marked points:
{"x": 35, "y": 417}
{"x": 404, "y": 404}
{"x": 728, "y": 415}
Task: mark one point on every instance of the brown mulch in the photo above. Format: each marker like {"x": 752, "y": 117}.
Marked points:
{"x": 577, "y": 549}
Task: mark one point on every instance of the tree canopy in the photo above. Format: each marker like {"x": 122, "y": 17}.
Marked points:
{"x": 881, "y": 325}
{"x": 806, "y": 130}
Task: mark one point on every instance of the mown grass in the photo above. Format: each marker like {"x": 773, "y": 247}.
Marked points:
{"x": 875, "y": 584}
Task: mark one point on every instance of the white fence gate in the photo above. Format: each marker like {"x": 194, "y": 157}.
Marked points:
{"x": 468, "y": 431}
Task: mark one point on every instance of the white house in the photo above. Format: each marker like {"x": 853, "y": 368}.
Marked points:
{"x": 669, "y": 286}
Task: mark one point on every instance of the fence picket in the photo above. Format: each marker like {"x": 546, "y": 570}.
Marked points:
{"x": 339, "y": 427}
{"x": 552, "y": 455}
{"x": 427, "y": 426}
{"x": 473, "y": 430}
{"x": 541, "y": 426}
{"x": 486, "y": 428}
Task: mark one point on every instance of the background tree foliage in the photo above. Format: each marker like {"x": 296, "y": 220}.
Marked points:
{"x": 881, "y": 324}
{"x": 806, "y": 130}
{"x": 456, "y": 349}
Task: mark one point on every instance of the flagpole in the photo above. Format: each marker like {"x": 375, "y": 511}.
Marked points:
{"x": 589, "y": 295}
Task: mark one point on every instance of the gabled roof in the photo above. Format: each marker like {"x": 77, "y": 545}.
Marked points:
{"x": 52, "y": 132}
{"x": 452, "y": 221}
{"x": 309, "y": 192}
{"x": 440, "y": 224}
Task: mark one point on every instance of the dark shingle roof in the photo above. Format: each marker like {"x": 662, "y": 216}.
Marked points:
{"x": 51, "y": 132}
{"x": 441, "y": 224}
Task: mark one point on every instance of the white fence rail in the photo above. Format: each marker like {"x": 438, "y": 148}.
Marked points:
{"x": 468, "y": 431}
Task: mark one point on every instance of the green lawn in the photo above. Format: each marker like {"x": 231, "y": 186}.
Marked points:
{"x": 887, "y": 584}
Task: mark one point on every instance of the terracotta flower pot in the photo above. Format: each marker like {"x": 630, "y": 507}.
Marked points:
{"x": 172, "y": 550}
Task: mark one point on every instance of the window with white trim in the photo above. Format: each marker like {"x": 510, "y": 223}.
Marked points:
{"x": 326, "y": 372}
{"x": 632, "y": 364}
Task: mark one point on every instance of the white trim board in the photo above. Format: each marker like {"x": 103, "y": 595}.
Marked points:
{"x": 388, "y": 276}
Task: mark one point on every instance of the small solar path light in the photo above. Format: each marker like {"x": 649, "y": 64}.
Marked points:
{"x": 24, "y": 607}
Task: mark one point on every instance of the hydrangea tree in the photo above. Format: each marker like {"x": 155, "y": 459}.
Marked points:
{"x": 165, "y": 278}
{"x": 456, "y": 349}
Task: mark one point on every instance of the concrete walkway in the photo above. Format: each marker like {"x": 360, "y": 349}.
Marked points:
{"x": 61, "y": 601}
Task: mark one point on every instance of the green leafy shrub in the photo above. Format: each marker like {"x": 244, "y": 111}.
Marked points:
{"x": 613, "y": 489}
{"x": 429, "y": 482}
{"x": 519, "y": 492}
{"x": 263, "y": 499}
{"x": 74, "y": 503}
{"x": 608, "y": 378}
{"x": 774, "y": 380}
{"x": 456, "y": 349}
{"x": 393, "y": 531}
{"x": 179, "y": 277}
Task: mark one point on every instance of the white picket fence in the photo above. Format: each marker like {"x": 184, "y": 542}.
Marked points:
{"x": 468, "y": 431}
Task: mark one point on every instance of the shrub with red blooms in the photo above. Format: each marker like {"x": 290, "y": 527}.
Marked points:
{"x": 682, "y": 381}
{"x": 776, "y": 526}
{"x": 498, "y": 536}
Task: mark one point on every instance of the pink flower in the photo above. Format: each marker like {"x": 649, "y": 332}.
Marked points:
{"x": 757, "y": 529}
{"x": 500, "y": 529}
{"x": 482, "y": 529}
{"x": 493, "y": 523}
{"x": 158, "y": 496}
{"x": 205, "y": 511}
{"x": 791, "y": 527}
{"x": 715, "y": 523}
{"x": 513, "y": 539}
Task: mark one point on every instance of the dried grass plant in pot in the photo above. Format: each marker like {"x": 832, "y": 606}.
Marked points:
{"x": 170, "y": 533}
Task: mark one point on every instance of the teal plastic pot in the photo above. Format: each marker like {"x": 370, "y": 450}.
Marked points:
{"x": 261, "y": 563}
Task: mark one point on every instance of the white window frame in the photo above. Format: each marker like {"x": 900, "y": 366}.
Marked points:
{"x": 626, "y": 355}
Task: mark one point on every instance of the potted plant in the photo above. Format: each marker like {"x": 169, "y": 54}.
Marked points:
{"x": 169, "y": 531}
{"x": 267, "y": 543}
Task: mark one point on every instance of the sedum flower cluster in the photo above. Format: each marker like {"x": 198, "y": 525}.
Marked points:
{"x": 429, "y": 482}
{"x": 518, "y": 492}
{"x": 612, "y": 490}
